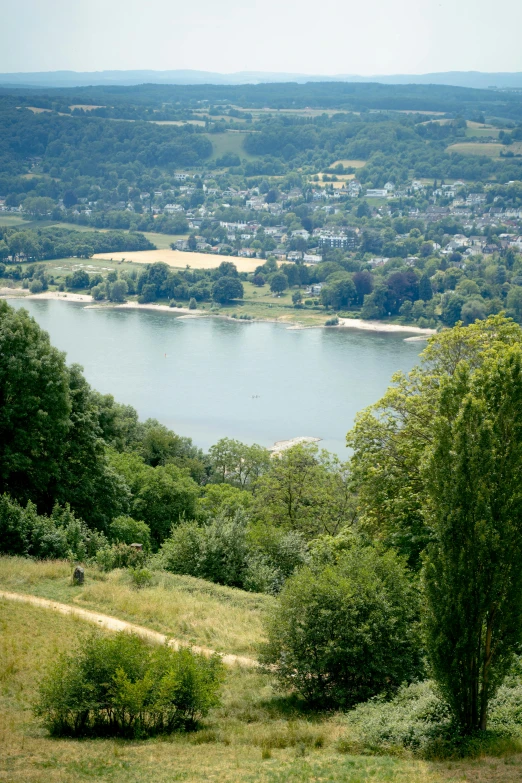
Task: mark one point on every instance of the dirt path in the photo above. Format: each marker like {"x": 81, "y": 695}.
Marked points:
{"x": 113, "y": 624}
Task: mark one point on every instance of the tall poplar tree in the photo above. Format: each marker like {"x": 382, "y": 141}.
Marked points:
{"x": 473, "y": 567}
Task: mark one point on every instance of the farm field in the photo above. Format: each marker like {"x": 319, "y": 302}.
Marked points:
{"x": 255, "y": 736}
{"x": 180, "y": 259}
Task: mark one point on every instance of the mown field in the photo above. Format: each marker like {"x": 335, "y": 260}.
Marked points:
{"x": 487, "y": 149}
{"x": 255, "y": 736}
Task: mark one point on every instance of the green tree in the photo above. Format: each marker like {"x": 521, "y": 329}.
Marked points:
{"x": 35, "y": 407}
{"x": 226, "y": 289}
{"x": 390, "y": 438}
{"x": 347, "y": 632}
{"x": 425, "y": 289}
{"x": 473, "y": 571}
{"x": 339, "y": 294}
{"x": 278, "y": 283}
{"x": 161, "y": 496}
{"x": 306, "y": 490}
{"x": 238, "y": 463}
{"x": 118, "y": 291}
{"x": 514, "y": 303}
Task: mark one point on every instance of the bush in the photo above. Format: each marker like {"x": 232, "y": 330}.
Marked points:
{"x": 61, "y": 535}
{"x": 120, "y": 556}
{"x": 192, "y": 304}
{"x": 140, "y": 577}
{"x": 417, "y": 720}
{"x": 126, "y": 530}
{"x": 332, "y": 321}
{"x": 347, "y": 632}
{"x": 36, "y": 286}
{"x": 121, "y": 686}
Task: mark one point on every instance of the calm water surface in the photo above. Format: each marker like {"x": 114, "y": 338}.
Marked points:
{"x": 209, "y": 378}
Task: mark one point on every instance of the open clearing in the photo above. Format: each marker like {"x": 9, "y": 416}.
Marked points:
{"x": 181, "y": 259}
{"x": 181, "y": 607}
{"x": 356, "y": 164}
{"x": 228, "y": 142}
{"x": 491, "y": 150}
{"x": 255, "y": 736}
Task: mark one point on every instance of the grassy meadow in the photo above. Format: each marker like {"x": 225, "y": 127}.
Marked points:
{"x": 182, "y": 607}
{"x": 488, "y": 150}
{"x": 255, "y": 736}
{"x": 229, "y": 142}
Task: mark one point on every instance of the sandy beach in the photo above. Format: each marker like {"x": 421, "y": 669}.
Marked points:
{"x": 380, "y": 326}
{"x": 282, "y": 445}
{"x": 20, "y": 293}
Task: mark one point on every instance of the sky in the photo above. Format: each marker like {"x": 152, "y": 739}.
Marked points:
{"x": 329, "y": 37}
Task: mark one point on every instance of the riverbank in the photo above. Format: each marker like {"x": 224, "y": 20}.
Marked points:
{"x": 20, "y": 293}
{"x": 295, "y": 321}
{"x": 382, "y": 326}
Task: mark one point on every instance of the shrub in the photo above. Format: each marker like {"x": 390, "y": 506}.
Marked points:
{"x": 140, "y": 577}
{"x": 61, "y": 535}
{"x": 126, "y": 530}
{"x": 192, "y": 304}
{"x": 181, "y": 553}
{"x": 119, "y": 556}
{"x": 347, "y": 632}
{"x": 119, "y": 685}
{"x": 418, "y": 720}
{"x": 332, "y": 321}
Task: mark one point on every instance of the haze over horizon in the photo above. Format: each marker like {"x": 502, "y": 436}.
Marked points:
{"x": 415, "y": 37}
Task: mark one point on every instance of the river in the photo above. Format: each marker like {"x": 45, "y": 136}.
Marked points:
{"x": 209, "y": 377}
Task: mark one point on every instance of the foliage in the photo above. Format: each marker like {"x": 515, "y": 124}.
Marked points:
{"x": 229, "y": 550}
{"x": 389, "y": 439}
{"x": 417, "y": 719}
{"x": 120, "y": 686}
{"x": 126, "y": 530}
{"x": 306, "y": 490}
{"x": 237, "y": 463}
{"x": 120, "y": 556}
{"x": 61, "y": 535}
{"x": 160, "y": 496}
{"x": 346, "y": 632}
{"x": 473, "y": 569}
{"x": 227, "y": 288}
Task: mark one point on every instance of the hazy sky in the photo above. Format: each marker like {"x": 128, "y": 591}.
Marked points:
{"x": 327, "y": 37}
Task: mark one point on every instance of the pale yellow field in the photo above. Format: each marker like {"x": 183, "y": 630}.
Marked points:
{"x": 180, "y": 259}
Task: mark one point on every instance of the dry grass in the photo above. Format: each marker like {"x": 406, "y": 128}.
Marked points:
{"x": 182, "y": 607}
{"x": 180, "y": 259}
{"x": 251, "y": 738}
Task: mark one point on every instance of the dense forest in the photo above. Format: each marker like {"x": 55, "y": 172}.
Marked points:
{"x": 348, "y": 96}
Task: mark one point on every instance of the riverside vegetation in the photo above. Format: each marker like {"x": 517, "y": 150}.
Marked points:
{"x": 383, "y": 594}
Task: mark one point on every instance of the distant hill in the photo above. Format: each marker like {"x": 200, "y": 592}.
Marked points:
{"x": 475, "y": 79}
